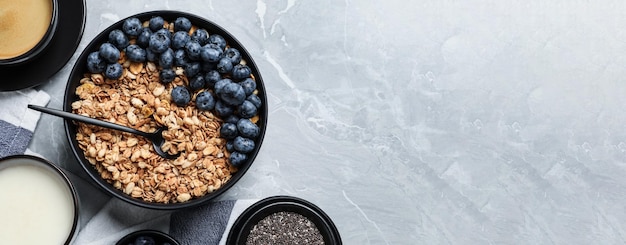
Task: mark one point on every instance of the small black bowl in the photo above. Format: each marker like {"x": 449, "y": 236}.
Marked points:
{"x": 160, "y": 238}
{"x": 80, "y": 68}
{"x": 53, "y": 171}
{"x": 256, "y": 212}
{"x": 40, "y": 46}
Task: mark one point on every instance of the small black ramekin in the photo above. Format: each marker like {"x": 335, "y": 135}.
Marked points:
{"x": 159, "y": 237}
{"x": 16, "y": 160}
{"x": 256, "y": 212}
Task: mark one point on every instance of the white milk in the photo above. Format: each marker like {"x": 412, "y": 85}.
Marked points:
{"x": 36, "y": 206}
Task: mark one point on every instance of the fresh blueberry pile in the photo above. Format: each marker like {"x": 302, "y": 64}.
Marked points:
{"x": 217, "y": 77}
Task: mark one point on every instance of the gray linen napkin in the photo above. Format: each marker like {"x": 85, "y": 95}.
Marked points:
{"x": 204, "y": 224}
{"x": 17, "y": 122}
{"x": 208, "y": 224}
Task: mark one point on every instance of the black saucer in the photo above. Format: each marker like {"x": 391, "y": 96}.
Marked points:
{"x": 71, "y": 24}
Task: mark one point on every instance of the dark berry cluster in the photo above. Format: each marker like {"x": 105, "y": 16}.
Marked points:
{"x": 217, "y": 77}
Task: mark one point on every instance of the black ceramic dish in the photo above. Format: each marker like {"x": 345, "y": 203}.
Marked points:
{"x": 13, "y": 160}
{"x": 80, "y": 69}
{"x": 256, "y": 212}
{"x": 159, "y": 237}
{"x": 41, "y": 45}
{"x": 70, "y": 25}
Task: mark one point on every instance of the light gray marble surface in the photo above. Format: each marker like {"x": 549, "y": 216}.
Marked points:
{"x": 426, "y": 122}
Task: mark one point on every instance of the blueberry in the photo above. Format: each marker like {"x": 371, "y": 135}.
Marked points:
{"x": 222, "y": 109}
{"x": 167, "y": 75}
{"x": 156, "y": 23}
{"x": 109, "y": 53}
{"x": 243, "y": 145}
{"x": 151, "y": 56}
{"x": 205, "y": 101}
{"x": 180, "y": 58}
{"x": 179, "y": 39}
{"x": 159, "y": 42}
{"x": 192, "y": 69}
{"x": 248, "y": 86}
{"x": 135, "y": 53}
{"x": 233, "y": 54}
{"x": 210, "y": 53}
{"x": 95, "y": 64}
{"x": 131, "y": 27}
{"x": 166, "y": 59}
{"x": 240, "y": 72}
{"x": 247, "y": 128}
{"x": 201, "y": 36}
{"x": 208, "y": 66}
{"x": 218, "y": 40}
{"x": 113, "y": 71}
{"x": 118, "y": 39}
{"x": 211, "y": 77}
{"x": 193, "y": 50}
{"x": 237, "y": 159}
{"x": 224, "y": 65}
{"x": 144, "y": 240}
{"x": 197, "y": 82}
{"x": 180, "y": 96}
{"x": 143, "y": 40}
{"x": 246, "y": 109}
{"x": 182, "y": 24}
{"x": 231, "y": 119}
{"x": 228, "y": 131}
{"x": 233, "y": 94}
{"x": 256, "y": 101}
{"x": 220, "y": 84}
{"x": 229, "y": 146}
{"x": 166, "y": 32}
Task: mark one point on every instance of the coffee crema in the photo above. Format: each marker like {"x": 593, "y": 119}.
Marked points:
{"x": 23, "y": 23}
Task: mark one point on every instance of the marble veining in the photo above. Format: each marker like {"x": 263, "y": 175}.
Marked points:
{"x": 426, "y": 122}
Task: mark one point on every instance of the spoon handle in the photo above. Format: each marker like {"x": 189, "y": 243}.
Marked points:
{"x": 88, "y": 120}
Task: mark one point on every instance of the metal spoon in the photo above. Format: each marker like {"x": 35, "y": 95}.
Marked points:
{"x": 155, "y": 137}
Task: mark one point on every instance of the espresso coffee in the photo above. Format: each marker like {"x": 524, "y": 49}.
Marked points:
{"x": 23, "y": 23}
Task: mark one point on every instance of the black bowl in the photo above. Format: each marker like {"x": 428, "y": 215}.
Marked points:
{"x": 159, "y": 237}
{"x": 40, "y": 46}
{"x": 80, "y": 69}
{"x": 52, "y": 170}
{"x": 256, "y": 212}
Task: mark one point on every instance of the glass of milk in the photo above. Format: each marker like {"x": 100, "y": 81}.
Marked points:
{"x": 38, "y": 203}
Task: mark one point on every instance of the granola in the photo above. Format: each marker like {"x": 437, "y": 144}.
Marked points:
{"x": 128, "y": 162}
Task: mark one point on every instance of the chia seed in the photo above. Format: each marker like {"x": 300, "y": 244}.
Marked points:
{"x": 285, "y": 228}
